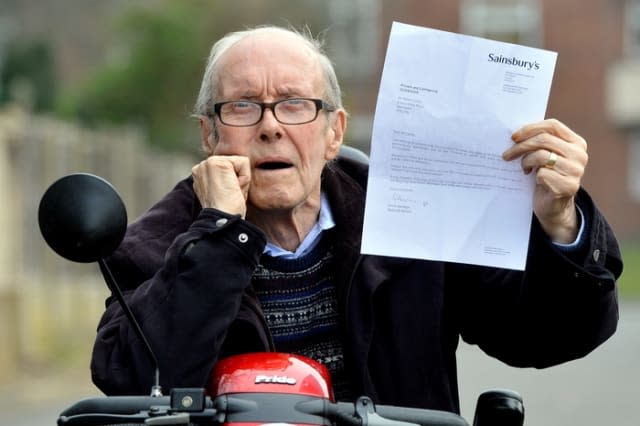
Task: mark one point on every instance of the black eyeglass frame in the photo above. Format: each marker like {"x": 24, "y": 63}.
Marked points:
{"x": 319, "y": 103}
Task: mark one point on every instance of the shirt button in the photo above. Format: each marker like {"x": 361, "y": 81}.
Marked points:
{"x": 596, "y": 254}
{"x": 243, "y": 238}
{"x": 221, "y": 222}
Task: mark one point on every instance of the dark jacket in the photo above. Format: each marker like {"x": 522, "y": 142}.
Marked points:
{"x": 187, "y": 278}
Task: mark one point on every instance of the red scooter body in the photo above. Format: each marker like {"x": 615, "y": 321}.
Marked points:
{"x": 260, "y": 376}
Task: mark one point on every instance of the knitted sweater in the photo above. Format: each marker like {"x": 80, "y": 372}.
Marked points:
{"x": 298, "y": 297}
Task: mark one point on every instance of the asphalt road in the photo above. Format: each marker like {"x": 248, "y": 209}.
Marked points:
{"x": 599, "y": 390}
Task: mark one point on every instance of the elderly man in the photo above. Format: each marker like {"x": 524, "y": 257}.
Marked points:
{"x": 259, "y": 250}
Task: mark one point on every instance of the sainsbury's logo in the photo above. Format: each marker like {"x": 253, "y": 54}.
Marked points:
{"x": 512, "y": 60}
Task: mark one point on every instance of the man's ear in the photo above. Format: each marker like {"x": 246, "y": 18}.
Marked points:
{"x": 207, "y": 135}
{"x": 338, "y": 127}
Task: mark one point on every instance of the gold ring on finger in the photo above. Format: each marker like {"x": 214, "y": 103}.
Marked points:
{"x": 551, "y": 161}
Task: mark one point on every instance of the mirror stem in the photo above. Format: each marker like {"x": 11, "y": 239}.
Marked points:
{"x": 156, "y": 389}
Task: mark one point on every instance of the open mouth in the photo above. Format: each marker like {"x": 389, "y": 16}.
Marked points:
{"x": 273, "y": 165}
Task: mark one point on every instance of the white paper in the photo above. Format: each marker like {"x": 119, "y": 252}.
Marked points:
{"x": 438, "y": 188}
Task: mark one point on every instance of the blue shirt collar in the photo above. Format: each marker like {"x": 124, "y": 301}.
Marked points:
{"x": 325, "y": 221}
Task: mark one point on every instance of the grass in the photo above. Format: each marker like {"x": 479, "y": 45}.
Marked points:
{"x": 629, "y": 282}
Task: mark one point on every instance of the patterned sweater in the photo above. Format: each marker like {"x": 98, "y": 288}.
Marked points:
{"x": 298, "y": 297}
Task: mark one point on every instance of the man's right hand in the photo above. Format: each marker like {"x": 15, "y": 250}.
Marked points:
{"x": 222, "y": 182}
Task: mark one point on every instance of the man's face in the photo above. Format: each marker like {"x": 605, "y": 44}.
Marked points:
{"x": 286, "y": 160}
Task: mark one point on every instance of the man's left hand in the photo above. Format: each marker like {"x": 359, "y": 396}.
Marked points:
{"x": 558, "y": 157}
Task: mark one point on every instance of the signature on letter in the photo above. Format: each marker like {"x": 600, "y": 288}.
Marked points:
{"x": 402, "y": 198}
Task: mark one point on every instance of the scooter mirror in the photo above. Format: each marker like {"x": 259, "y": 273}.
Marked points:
{"x": 82, "y": 217}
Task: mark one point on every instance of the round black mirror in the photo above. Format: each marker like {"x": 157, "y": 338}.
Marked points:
{"x": 82, "y": 217}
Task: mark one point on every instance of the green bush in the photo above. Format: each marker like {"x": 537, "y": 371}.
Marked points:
{"x": 152, "y": 75}
{"x": 29, "y": 64}
{"x": 629, "y": 283}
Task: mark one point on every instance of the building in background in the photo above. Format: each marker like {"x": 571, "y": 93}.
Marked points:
{"x": 596, "y": 87}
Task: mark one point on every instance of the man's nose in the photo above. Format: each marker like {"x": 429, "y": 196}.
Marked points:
{"x": 270, "y": 128}
{"x": 268, "y": 111}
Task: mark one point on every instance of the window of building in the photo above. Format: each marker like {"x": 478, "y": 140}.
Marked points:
{"x": 354, "y": 35}
{"x": 513, "y": 21}
{"x": 632, "y": 28}
{"x": 634, "y": 166}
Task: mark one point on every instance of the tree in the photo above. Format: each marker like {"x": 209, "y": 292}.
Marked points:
{"x": 154, "y": 78}
{"x": 28, "y": 72}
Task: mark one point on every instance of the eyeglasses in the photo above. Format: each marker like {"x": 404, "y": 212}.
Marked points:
{"x": 286, "y": 111}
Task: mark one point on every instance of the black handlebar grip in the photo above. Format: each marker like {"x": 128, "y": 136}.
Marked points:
{"x": 499, "y": 407}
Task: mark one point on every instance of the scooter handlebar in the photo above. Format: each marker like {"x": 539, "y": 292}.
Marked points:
{"x": 388, "y": 415}
{"x": 113, "y": 410}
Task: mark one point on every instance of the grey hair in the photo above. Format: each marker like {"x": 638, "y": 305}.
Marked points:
{"x": 209, "y": 89}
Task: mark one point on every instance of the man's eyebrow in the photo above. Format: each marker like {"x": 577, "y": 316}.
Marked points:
{"x": 282, "y": 92}
{"x": 292, "y": 90}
